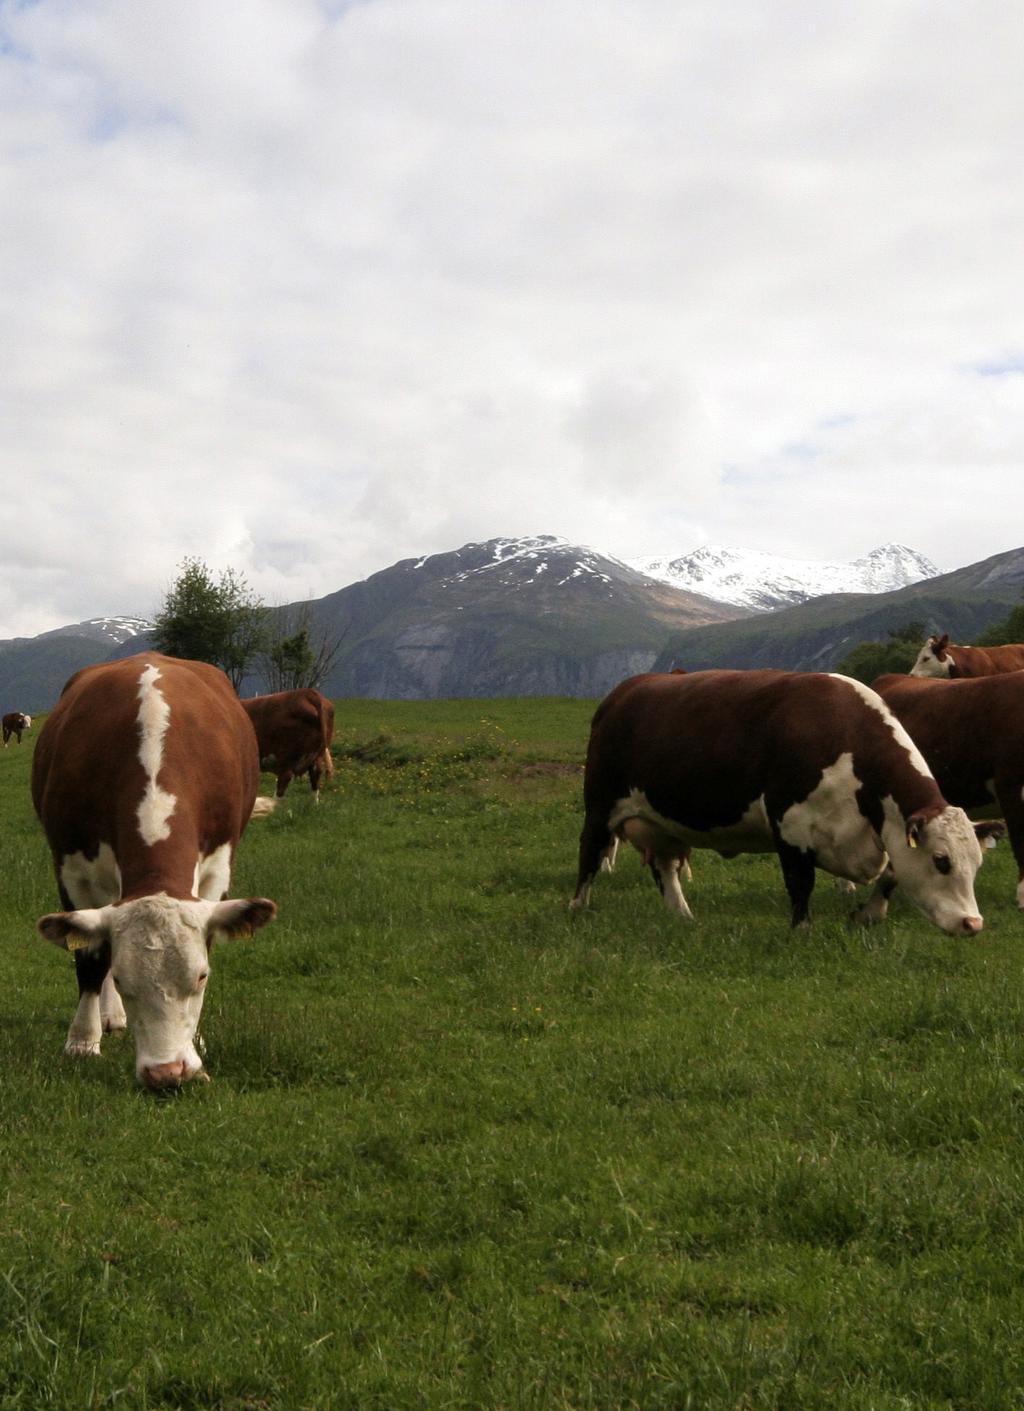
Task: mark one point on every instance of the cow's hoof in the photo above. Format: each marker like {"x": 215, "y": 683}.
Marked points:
{"x": 82, "y": 1048}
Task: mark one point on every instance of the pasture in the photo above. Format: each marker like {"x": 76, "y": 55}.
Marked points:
{"x": 463, "y": 1149}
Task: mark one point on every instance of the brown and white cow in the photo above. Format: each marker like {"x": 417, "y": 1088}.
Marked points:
{"x": 971, "y": 732}
{"x": 940, "y": 657}
{"x": 15, "y": 723}
{"x": 294, "y": 730}
{"x": 812, "y": 767}
{"x": 144, "y": 778}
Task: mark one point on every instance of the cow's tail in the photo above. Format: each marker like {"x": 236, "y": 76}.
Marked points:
{"x": 262, "y": 807}
{"x": 327, "y": 734}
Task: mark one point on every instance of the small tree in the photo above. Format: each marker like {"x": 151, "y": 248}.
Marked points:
{"x": 1011, "y": 629}
{"x": 898, "y": 652}
{"x": 221, "y": 622}
{"x": 292, "y": 657}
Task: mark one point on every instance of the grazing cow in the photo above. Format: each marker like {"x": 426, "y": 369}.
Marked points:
{"x": 939, "y": 657}
{"x": 14, "y": 723}
{"x": 144, "y": 777}
{"x": 294, "y": 731}
{"x": 812, "y": 767}
{"x": 971, "y": 732}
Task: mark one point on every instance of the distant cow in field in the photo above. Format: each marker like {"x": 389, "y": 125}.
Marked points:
{"x": 144, "y": 778}
{"x": 294, "y": 730}
{"x": 814, "y": 768}
{"x": 939, "y": 657}
{"x": 971, "y": 732}
{"x": 14, "y": 723}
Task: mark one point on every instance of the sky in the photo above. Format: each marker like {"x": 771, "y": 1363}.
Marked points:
{"x": 305, "y": 287}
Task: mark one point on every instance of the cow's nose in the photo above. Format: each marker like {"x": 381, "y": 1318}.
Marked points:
{"x": 973, "y": 924}
{"x": 164, "y": 1075}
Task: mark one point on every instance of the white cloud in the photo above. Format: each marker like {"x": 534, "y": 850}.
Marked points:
{"x": 307, "y": 288}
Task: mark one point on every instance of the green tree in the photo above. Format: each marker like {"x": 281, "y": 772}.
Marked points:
{"x": 220, "y": 621}
{"x": 1011, "y": 629}
{"x": 292, "y": 657}
{"x": 898, "y": 652}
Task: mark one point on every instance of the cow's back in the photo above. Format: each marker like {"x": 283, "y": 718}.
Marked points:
{"x": 293, "y": 728}
{"x": 969, "y": 728}
{"x": 708, "y": 741}
{"x": 118, "y": 721}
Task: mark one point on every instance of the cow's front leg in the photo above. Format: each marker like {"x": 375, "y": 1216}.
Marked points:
{"x": 112, "y": 1016}
{"x": 798, "y": 875}
{"x": 83, "y": 1040}
{"x": 875, "y": 909}
{"x": 1012, "y": 804}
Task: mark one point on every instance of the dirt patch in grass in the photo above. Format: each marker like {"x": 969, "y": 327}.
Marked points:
{"x": 546, "y": 769}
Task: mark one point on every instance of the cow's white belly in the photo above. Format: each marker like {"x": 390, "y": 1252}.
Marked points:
{"x": 635, "y": 818}
{"x": 829, "y": 824}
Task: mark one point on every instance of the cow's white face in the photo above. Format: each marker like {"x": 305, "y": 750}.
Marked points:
{"x": 159, "y": 962}
{"x": 936, "y": 862}
{"x": 928, "y": 664}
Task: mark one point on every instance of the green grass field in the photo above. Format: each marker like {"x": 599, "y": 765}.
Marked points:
{"x": 464, "y": 1149}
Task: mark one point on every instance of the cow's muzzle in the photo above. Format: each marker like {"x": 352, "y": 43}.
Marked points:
{"x": 164, "y": 1075}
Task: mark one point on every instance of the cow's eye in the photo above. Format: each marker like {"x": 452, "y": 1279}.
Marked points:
{"x": 202, "y": 979}
{"x": 942, "y": 863}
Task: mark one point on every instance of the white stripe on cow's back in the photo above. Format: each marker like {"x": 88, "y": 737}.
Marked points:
{"x": 157, "y": 805}
{"x": 875, "y": 701}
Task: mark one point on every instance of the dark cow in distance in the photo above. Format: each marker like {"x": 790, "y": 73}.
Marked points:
{"x": 812, "y": 767}
{"x": 294, "y": 730}
{"x": 941, "y": 658}
{"x": 15, "y": 723}
{"x": 144, "y": 778}
{"x": 971, "y": 732}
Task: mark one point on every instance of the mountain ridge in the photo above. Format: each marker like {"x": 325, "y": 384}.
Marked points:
{"x": 536, "y": 615}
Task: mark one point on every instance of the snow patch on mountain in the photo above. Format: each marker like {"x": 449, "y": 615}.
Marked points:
{"x": 752, "y": 579}
{"x": 112, "y": 630}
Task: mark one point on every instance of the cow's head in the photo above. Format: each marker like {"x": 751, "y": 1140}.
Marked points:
{"x": 160, "y": 963}
{"x": 934, "y": 658}
{"x": 935, "y": 855}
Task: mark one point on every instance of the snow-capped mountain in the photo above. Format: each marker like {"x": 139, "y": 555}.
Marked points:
{"x": 110, "y": 630}
{"x": 516, "y": 563}
{"x": 751, "y": 579}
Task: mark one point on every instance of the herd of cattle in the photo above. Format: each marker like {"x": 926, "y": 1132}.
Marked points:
{"x": 146, "y": 772}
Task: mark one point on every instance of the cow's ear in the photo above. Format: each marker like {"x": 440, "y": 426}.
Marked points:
{"x": 989, "y": 832}
{"x": 233, "y": 920}
{"x": 941, "y": 645}
{"x": 75, "y": 930}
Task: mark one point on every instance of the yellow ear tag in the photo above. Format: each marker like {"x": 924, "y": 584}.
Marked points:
{"x": 911, "y": 841}
{"x": 74, "y": 943}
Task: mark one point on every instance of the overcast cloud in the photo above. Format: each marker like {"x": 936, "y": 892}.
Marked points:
{"x": 306, "y": 288}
